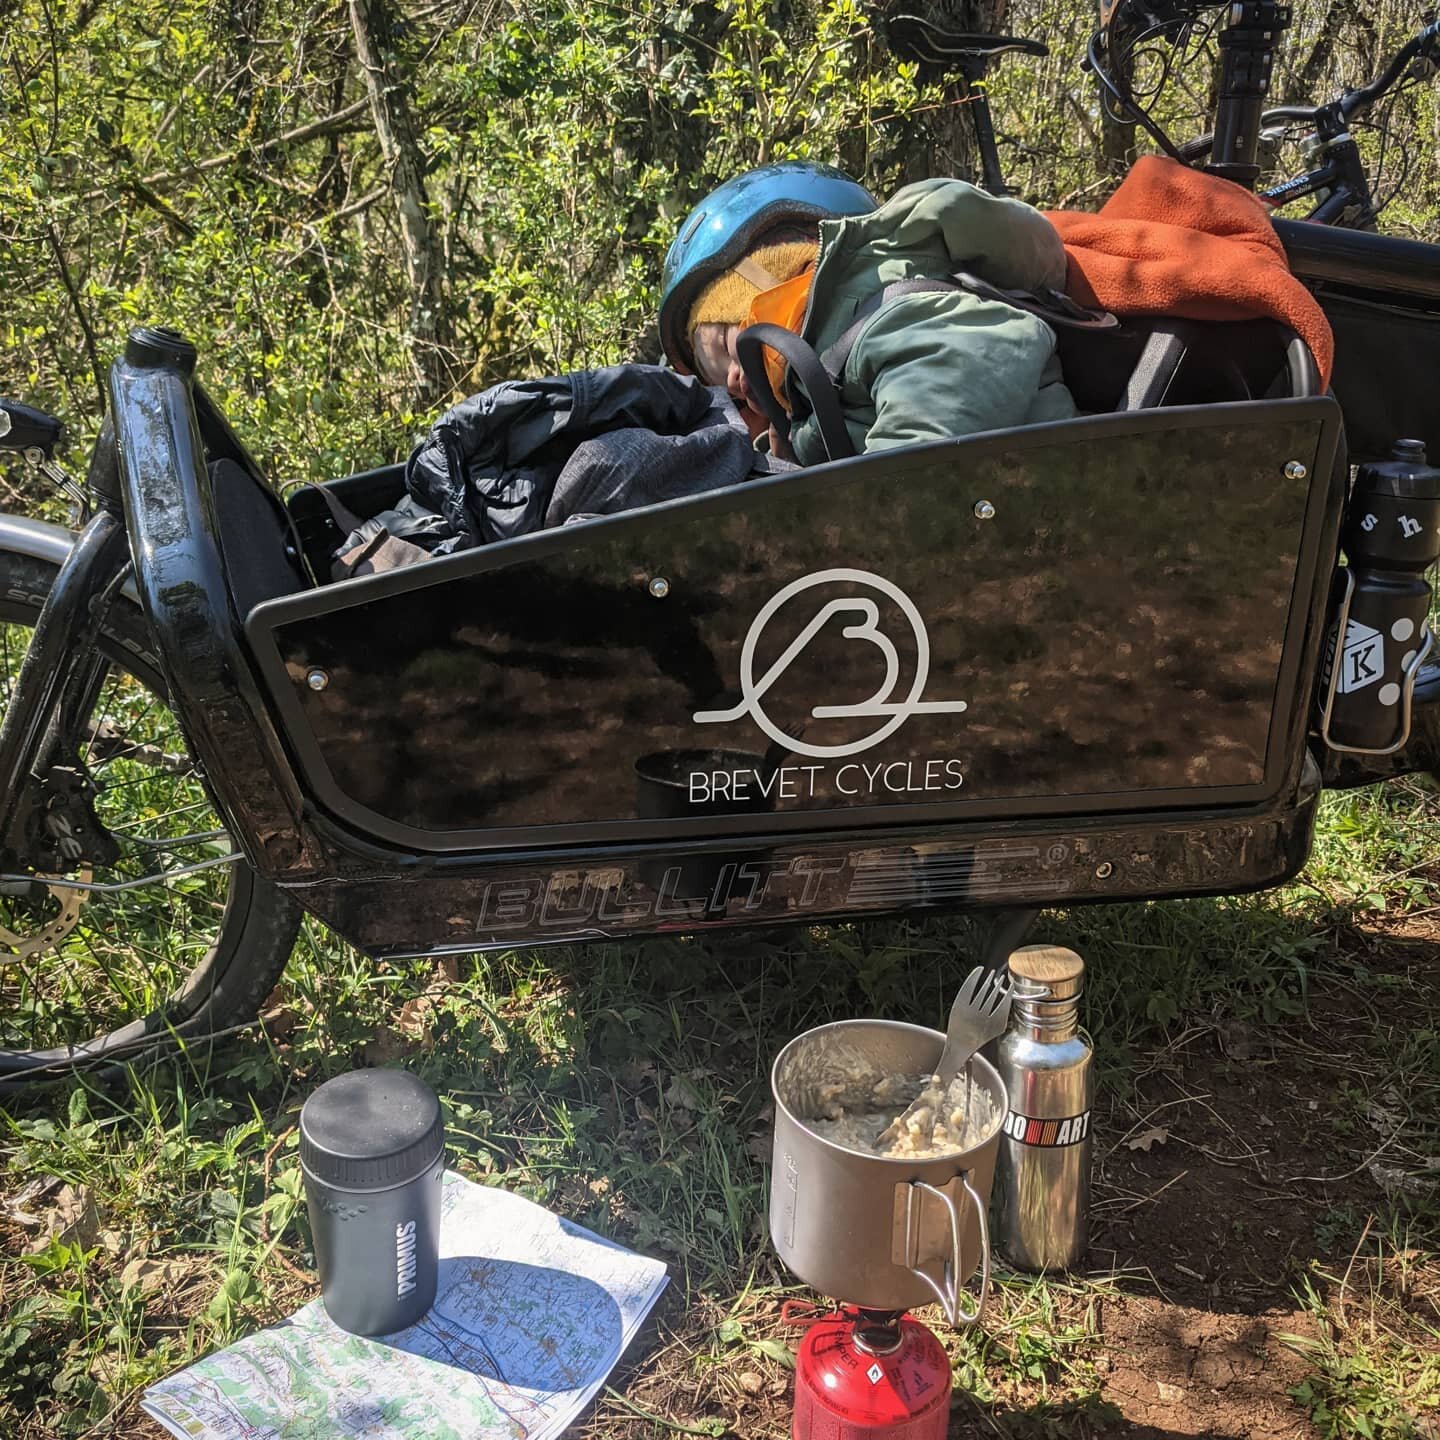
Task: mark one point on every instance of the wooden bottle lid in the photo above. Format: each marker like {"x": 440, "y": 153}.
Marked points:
{"x": 1048, "y": 967}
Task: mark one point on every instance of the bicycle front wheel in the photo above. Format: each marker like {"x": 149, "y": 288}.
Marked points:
{"x": 102, "y": 975}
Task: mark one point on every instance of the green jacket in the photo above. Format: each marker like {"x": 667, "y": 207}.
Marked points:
{"x": 936, "y": 363}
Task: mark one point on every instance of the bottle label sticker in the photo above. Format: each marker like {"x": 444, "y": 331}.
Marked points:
{"x": 1047, "y": 1134}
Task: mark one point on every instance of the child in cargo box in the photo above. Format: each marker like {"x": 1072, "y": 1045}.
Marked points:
{"x": 804, "y": 246}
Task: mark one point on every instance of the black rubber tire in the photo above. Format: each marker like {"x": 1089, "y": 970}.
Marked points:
{"x": 257, "y": 928}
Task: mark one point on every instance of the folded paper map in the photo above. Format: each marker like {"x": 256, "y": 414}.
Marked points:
{"x": 530, "y": 1316}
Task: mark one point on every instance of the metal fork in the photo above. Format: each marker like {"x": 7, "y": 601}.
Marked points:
{"x": 981, "y": 1012}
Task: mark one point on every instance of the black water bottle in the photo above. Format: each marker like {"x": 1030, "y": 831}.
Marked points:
{"x": 372, "y": 1155}
{"x": 1391, "y": 537}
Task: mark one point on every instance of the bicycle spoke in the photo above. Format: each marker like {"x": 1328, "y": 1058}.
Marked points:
{"x": 112, "y": 787}
{"x": 133, "y": 723}
{"x": 110, "y": 679}
{"x": 155, "y": 819}
{"x": 174, "y": 842}
{"x": 100, "y": 963}
{"x": 30, "y": 986}
{"x": 102, "y": 960}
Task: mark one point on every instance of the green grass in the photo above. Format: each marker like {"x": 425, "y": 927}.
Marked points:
{"x": 626, "y": 1087}
{"x": 1376, "y": 1360}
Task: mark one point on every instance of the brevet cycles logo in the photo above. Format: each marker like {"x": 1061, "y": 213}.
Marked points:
{"x": 881, "y": 705}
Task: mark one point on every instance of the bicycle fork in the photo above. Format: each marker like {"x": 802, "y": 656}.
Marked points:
{"x": 61, "y": 662}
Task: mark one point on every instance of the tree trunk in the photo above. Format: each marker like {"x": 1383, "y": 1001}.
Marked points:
{"x": 429, "y": 330}
{"x": 1303, "y": 83}
{"x": 244, "y": 26}
{"x": 1117, "y": 136}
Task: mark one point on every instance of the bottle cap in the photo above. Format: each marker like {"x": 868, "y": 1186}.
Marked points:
{"x": 1050, "y": 968}
{"x": 371, "y": 1129}
{"x": 1406, "y": 475}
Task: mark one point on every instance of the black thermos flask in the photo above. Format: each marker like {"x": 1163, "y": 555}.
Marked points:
{"x": 371, "y": 1150}
{"x": 1391, "y": 537}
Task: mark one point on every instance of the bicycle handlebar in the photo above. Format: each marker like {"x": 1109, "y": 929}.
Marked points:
{"x": 1201, "y": 145}
{"x": 1359, "y": 101}
{"x": 1352, "y": 104}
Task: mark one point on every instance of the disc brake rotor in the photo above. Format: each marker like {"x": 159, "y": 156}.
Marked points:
{"x": 52, "y": 931}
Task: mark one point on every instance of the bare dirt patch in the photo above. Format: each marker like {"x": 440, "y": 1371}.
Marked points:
{"x": 1174, "y": 1370}
{"x": 1243, "y": 1161}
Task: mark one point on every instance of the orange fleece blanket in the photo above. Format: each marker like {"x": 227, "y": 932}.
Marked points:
{"x": 1176, "y": 241}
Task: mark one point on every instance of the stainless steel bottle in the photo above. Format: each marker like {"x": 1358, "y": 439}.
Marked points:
{"x": 1042, "y": 1173}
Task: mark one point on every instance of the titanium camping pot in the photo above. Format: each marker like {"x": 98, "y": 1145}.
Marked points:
{"x": 879, "y": 1232}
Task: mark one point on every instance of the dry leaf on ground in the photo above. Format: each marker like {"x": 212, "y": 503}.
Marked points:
{"x": 1155, "y": 1135}
{"x": 152, "y": 1276}
{"x": 73, "y": 1217}
{"x": 680, "y": 1093}
{"x": 416, "y": 1017}
{"x": 384, "y": 1046}
{"x": 16, "y": 1207}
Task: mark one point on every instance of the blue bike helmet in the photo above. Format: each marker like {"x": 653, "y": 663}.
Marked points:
{"x": 724, "y": 225}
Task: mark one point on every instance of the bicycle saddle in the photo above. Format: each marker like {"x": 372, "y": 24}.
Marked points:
{"x": 915, "y": 38}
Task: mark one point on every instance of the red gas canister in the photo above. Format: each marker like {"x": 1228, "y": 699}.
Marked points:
{"x": 866, "y": 1377}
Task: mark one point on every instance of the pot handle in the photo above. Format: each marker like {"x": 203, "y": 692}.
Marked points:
{"x": 949, "y": 1294}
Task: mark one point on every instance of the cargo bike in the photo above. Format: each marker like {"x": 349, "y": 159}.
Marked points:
{"x": 1112, "y": 658}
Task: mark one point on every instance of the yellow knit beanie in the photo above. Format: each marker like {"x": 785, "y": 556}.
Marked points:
{"x": 726, "y": 299}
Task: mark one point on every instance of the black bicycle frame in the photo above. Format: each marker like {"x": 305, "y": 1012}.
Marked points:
{"x": 1339, "y": 179}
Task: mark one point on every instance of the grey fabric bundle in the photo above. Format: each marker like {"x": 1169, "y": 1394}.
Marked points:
{"x": 629, "y": 468}
{"x": 526, "y": 454}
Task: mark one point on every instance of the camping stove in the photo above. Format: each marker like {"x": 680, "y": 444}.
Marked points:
{"x": 868, "y": 1374}
{"x": 879, "y": 1233}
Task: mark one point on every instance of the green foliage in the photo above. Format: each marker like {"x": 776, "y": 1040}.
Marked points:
{"x": 1376, "y": 1375}
{"x": 218, "y": 169}
{"x": 146, "y": 175}
{"x": 773, "y": 95}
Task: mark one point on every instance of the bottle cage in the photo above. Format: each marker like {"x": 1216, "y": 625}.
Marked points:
{"x": 821, "y": 375}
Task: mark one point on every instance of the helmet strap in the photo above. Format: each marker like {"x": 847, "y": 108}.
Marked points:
{"x": 755, "y": 273}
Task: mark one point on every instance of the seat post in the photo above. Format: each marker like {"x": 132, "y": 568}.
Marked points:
{"x": 1247, "y": 50}
{"x": 977, "y": 96}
